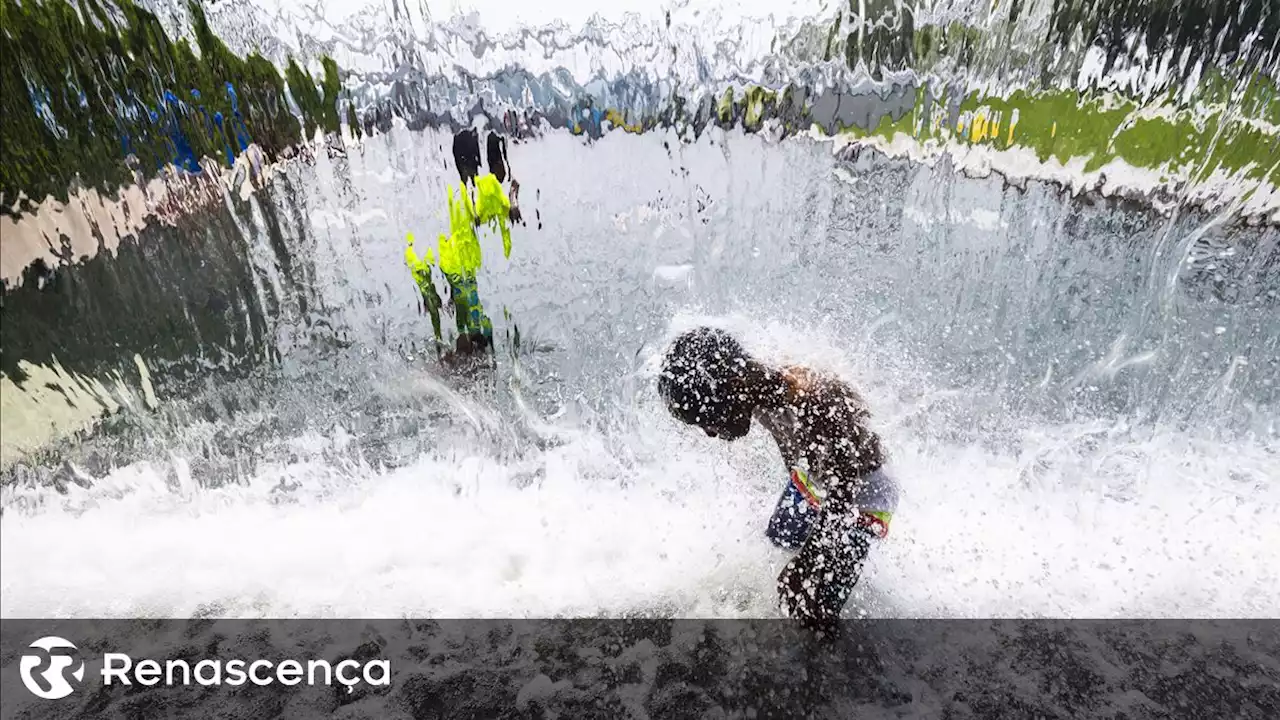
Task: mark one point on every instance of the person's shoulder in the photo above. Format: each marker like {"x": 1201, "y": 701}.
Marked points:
{"x": 826, "y": 389}
{"x": 804, "y": 378}
{"x": 815, "y": 380}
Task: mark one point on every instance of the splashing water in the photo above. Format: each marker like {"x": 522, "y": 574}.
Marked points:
{"x": 1063, "y": 451}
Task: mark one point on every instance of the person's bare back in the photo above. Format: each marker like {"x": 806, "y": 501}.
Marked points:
{"x": 822, "y": 421}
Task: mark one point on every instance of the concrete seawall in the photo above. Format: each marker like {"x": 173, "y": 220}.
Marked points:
{"x": 115, "y": 303}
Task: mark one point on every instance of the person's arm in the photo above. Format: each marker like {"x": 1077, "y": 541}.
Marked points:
{"x": 421, "y": 272}
{"x": 786, "y": 444}
{"x": 514, "y": 213}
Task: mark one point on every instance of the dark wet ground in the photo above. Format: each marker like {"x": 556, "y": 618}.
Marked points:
{"x": 701, "y": 669}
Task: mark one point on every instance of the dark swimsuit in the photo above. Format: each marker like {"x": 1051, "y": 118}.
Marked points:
{"x": 799, "y": 506}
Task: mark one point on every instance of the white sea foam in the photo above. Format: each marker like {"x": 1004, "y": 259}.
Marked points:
{"x": 1162, "y": 525}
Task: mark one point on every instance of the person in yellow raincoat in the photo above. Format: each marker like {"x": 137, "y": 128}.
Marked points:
{"x": 459, "y": 252}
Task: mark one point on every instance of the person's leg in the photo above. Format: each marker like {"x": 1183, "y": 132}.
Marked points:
{"x": 470, "y": 317}
{"x": 461, "y": 307}
{"x": 817, "y": 582}
{"x": 466, "y": 155}
{"x": 496, "y": 154}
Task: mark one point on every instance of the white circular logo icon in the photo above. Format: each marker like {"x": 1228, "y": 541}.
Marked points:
{"x": 45, "y": 672}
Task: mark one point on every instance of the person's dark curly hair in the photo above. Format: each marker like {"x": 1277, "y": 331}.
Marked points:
{"x": 703, "y": 376}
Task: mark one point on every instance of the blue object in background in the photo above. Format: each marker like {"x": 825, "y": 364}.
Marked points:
{"x": 237, "y": 122}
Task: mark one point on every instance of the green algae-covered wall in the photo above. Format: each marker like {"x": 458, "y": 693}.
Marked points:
{"x": 93, "y": 92}
{"x": 1208, "y": 100}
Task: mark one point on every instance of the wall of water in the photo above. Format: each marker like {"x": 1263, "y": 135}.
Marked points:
{"x": 1071, "y": 354}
